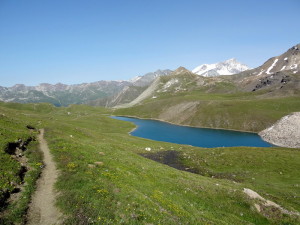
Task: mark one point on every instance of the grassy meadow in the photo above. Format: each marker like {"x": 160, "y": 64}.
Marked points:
{"x": 104, "y": 179}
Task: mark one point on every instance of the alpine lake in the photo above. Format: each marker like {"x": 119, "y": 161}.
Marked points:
{"x": 199, "y": 137}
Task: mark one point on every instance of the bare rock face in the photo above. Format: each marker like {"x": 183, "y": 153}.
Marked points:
{"x": 285, "y": 132}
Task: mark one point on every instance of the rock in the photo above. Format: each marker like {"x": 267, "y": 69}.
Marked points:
{"x": 116, "y": 190}
{"x": 30, "y": 127}
{"x": 99, "y": 163}
{"x": 148, "y": 149}
{"x": 285, "y": 132}
{"x": 257, "y": 206}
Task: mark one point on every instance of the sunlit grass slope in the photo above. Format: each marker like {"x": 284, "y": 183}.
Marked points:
{"x": 245, "y": 112}
{"x": 105, "y": 180}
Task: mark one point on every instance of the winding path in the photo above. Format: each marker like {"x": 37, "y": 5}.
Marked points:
{"x": 42, "y": 209}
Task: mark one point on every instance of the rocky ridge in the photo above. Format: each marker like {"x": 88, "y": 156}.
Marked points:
{"x": 290, "y": 60}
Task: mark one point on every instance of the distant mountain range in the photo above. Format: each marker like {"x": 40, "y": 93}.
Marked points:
{"x": 228, "y": 67}
{"x": 276, "y": 72}
{"x": 63, "y": 95}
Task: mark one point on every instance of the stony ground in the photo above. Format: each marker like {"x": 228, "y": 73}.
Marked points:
{"x": 285, "y": 132}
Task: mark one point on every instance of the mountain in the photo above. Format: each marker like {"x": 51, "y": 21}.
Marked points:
{"x": 130, "y": 92}
{"x": 290, "y": 60}
{"x": 179, "y": 81}
{"x": 63, "y": 95}
{"x": 277, "y": 73}
{"x": 251, "y": 100}
{"x": 228, "y": 67}
{"x": 146, "y": 79}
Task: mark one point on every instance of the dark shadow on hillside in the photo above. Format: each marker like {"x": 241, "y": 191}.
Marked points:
{"x": 170, "y": 158}
{"x": 174, "y": 159}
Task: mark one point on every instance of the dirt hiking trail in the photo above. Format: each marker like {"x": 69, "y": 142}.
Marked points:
{"x": 42, "y": 208}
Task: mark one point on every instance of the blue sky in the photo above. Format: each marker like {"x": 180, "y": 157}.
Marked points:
{"x": 76, "y": 41}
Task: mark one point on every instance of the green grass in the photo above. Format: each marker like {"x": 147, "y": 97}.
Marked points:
{"x": 16, "y": 211}
{"x": 127, "y": 188}
{"x": 227, "y": 111}
{"x": 270, "y": 171}
{"x": 11, "y": 131}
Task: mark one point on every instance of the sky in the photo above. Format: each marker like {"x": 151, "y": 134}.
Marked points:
{"x": 78, "y": 41}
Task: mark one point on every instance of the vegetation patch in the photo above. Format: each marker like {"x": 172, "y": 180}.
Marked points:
{"x": 20, "y": 167}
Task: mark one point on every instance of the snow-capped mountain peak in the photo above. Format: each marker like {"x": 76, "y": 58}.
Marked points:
{"x": 228, "y": 67}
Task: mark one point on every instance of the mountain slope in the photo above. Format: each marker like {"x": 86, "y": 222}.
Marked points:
{"x": 148, "y": 78}
{"x": 242, "y": 101}
{"x": 177, "y": 81}
{"x": 138, "y": 85}
{"x": 228, "y": 67}
{"x": 146, "y": 94}
{"x": 290, "y": 60}
{"x": 279, "y": 75}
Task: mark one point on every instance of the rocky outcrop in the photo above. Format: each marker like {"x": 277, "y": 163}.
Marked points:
{"x": 285, "y": 132}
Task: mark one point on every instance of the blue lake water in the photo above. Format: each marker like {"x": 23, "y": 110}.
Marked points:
{"x": 201, "y": 137}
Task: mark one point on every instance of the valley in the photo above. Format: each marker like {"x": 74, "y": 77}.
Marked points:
{"x": 107, "y": 176}
{"x": 105, "y": 179}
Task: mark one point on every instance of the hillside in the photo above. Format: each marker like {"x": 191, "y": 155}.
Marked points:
{"x": 107, "y": 177}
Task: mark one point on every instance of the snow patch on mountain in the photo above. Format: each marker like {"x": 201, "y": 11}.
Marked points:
{"x": 135, "y": 79}
{"x": 271, "y": 67}
{"x": 170, "y": 83}
{"x": 283, "y": 68}
{"x": 293, "y": 66}
{"x": 228, "y": 67}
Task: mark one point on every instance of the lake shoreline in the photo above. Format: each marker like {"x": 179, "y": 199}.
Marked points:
{"x": 224, "y": 138}
{"x": 136, "y": 117}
